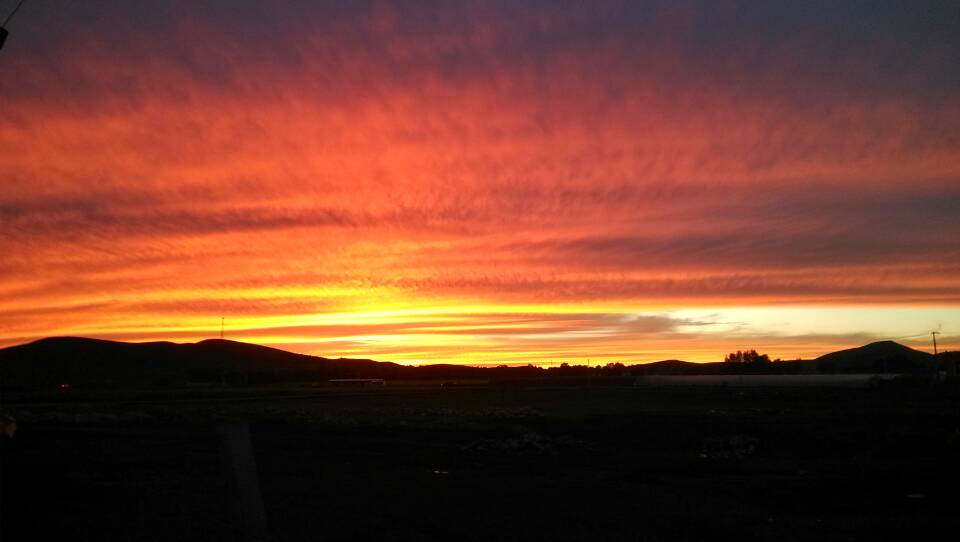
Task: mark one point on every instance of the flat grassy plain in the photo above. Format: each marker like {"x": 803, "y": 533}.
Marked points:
{"x": 483, "y": 462}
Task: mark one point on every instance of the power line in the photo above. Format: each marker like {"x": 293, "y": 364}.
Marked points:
{"x": 924, "y": 334}
{"x": 12, "y": 13}
{"x": 3, "y": 27}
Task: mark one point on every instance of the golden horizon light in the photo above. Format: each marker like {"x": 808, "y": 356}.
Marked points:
{"x": 482, "y": 183}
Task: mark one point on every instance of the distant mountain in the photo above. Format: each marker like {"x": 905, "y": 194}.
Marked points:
{"x": 98, "y": 363}
{"x": 878, "y": 357}
{"x": 81, "y": 361}
{"x": 670, "y": 367}
{"x": 677, "y": 367}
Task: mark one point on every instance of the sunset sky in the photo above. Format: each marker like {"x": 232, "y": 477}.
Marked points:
{"x": 483, "y": 182}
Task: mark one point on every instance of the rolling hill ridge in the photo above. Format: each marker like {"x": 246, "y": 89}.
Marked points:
{"x": 93, "y": 362}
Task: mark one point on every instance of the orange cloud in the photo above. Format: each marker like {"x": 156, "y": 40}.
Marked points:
{"x": 160, "y": 170}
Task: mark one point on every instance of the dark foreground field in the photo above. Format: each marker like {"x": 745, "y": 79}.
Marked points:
{"x": 483, "y": 463}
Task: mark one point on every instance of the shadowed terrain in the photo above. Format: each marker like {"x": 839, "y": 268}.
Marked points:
{"x": 127, "y": 452}
{"x": 82, "y": 362}
{"x": 492, "y": 463}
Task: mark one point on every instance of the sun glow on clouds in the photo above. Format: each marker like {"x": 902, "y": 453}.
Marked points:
{"x": 486, "y": 182}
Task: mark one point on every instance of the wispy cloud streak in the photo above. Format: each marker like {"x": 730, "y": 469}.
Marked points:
{"x": 182, "y": 160}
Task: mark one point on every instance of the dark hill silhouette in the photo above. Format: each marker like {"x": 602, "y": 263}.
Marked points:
{"x": 677, "y": 367}
{"x": 81, "y": 361}
{"x": 878, "y": 357}
{"x": 949, "y": 362}
{"x": 98, "y": 363}
{"x": 670, "y": 367}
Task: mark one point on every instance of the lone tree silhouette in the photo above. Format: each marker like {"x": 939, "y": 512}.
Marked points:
{"x": 746, "y": 356}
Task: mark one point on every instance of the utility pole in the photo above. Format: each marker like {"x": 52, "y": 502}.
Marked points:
{"x": 3, "y": 27}
{"x": 221, "y": 328}
{"x": 934, "y": 333}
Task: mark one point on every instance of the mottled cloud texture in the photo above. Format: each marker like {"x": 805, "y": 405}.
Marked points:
{"x": 479, "y": 181}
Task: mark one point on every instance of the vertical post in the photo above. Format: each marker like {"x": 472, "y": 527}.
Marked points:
{"x": 936, "y": 364}
{"x": 240, "y": 469}
{"x": 3, "y": 27}
{"x": 221, "y": 327}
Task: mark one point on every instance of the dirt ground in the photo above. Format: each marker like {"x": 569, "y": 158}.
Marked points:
{"x": 486, "y": 463}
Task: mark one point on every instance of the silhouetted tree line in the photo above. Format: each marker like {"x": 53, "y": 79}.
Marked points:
{"x": 87, "y": 362}
{"x": 746, "y": 356}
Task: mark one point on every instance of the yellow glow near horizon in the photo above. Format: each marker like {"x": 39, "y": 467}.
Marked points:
{"x": 498, "y": 192}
